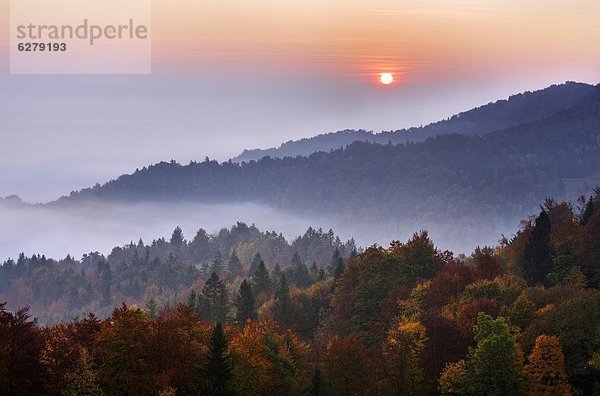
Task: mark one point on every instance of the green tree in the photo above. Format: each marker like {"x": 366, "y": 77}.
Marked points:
{"x": 261, "y": 283}
{"x": 298, "y": 274}
{"x": 537, "y": 260}
{"x": 336, "y": 259}
{"x": 234, "y": 265}
{"x": 177, "y": 238}
{"x": 245, "y": 304}
{"x": 213, "y": 301}
{"x": 282, "y": 307}
{"x": 255, "y": 262}
{"x": 492, "y": 365}
{"x": 218, "y": 367}
{"x": 218, "y": 263}
{"x": 151, "y": 308}
{"x": 339, "y": 269}
{"x": 588, "y": 212}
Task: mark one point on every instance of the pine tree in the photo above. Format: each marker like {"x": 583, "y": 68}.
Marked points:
{"x": 276, "y": 274}
{"x": 151, "y": 308}
{"x": 335, "y": 261}
{"x": 282, "y": 307}
{"x": 192, "y": 301}
{"x": 318, "y": 385}
{"x": 588, "y": 212}
{"x": 245, "y": 304}
{"x": 213, "y": 302}
{"x": 105, "y": 282}
{"x": 537, "y": 255}
{"x": 297, "y": 273}
{"x": 234, "y": 265}
{"x": 255, "y": 263}
{"x": 339, "y": 269}
{"x": 261, "y": 283}
{"x": 177, "y": 238}
{"x": 218, "y": 368}
{"x": 321, "y": 275}
{"x": 218, "y": 263}
{"x": 314, "y": 269}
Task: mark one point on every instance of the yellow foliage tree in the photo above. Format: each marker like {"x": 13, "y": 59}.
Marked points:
{"x": 402, "y": 349}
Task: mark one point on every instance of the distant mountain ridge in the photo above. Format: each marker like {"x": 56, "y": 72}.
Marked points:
{"x": 466, "y": 186}
{"x": 517, "y": 109}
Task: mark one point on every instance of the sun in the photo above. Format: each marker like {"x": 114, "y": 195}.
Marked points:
{"x": 386, "y": 78}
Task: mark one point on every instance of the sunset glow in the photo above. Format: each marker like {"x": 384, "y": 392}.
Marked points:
{"x": 386, "y": 78}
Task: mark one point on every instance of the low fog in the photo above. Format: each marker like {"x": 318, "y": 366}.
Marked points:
{"x": 58, "y": 231}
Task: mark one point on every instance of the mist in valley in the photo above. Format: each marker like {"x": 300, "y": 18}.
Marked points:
{"x": 56, "y": 231}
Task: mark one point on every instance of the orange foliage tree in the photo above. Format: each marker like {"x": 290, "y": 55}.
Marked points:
{"x": 545, "y": 369}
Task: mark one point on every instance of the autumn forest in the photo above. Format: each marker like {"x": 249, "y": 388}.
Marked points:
{"x": 244, "y": 312}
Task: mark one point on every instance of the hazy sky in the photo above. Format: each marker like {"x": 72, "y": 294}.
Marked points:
{"x": 234, "y": 74}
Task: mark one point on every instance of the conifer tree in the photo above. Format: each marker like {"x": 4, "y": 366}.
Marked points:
{"x": 276, "y": 274}
{"x": 339, "y": 269}
{"x": 234, "y": 265}
{"x": 213, "y": 302}
{"x": 282, "y": 308}
{"x": 192, "y": 301}
{"x": 218, "y": 367}
{"x": 177, "y": 238}
{"x": 588, "y": 212}
{"x": 245, "y": 304}
{"x": 261, "y": 282}
{"x": 537, "y": 255}
{"x": 297, "y": 273}
{"x": 218, "y": 263}
{"x": 335, "y": 261}
{"x": 255, "y": 262}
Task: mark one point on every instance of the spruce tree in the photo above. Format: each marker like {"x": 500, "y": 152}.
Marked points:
{"x": 336, "y": 258}
{"x": 255, "y": 263}
{"x": 213, "y": 302}
{"x": 588, "y": 212}
{"x": 261, "y": 282}
{"x": 177, "y": 238}
{"x": 234, "y": 265}
{"x": 192, "y": 301}
{"x": 276, "y": 274}
{"x": 282, "y": 308}
{"x": 297, "y": 273}
{"x": 245, "y": 304}
{"x": 218, "y": 367}
{"x": 218, "y": 263}
{"x": 339, "y": 269}
{"x": 537, "y": 255}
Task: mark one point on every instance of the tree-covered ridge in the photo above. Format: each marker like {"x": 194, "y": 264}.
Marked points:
{"x": 517, "y": 109}
{"x": 474, "y": 182}
{"x": 160, "y": 272}
{"x": 522, "y": 318}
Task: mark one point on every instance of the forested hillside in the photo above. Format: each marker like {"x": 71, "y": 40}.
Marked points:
{"x": 521, "y": 318}
{"x": 160, "y": 272}
{"x": 518, "y": 109}
{"x": 472, "y": 183}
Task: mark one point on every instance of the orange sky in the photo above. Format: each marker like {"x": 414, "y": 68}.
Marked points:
{"x": 418, "y": 40}
{"x": 364, "y": 37}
